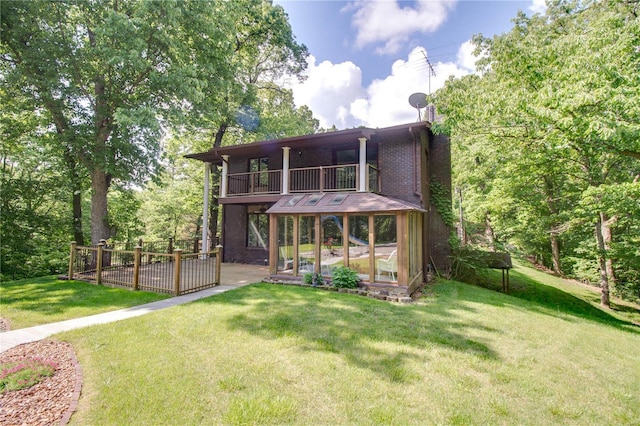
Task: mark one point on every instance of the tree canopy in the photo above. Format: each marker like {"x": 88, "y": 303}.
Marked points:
{"x": 549, "y": 130}
{"x": 110, "y": 77}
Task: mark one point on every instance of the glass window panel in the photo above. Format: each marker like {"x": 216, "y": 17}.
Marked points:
{"x": 386, "y": 247}
{"x": 337, "y": 199}
{"x": 258, "y": 230}
{"x": 307, "y": 244}
{"x": 347, "y": 156}
{"x": 359, "y": 245}
{"x": 285, "y": 244}
{"x": 294, "y": 200}
{"x": 332, "y": 251}
{"x": 313, "y": 200}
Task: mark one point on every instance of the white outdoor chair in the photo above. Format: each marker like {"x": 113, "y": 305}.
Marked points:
{"x": 388, "y": 265}
{"x": 286, "y": 262}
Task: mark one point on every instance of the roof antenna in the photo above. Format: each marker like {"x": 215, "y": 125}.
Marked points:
{"x": 418, "y": 101}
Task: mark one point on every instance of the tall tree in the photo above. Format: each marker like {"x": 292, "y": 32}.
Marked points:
{"x": 561, "y": 91}
{"x": 107, "y": 73}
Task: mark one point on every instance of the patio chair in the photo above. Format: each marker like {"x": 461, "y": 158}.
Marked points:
{"x": 285, "y": 259}
{"x": 388, "y": 265}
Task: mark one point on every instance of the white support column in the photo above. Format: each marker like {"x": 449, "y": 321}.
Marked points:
{"x": 362, "y": 185}
{"x": 205, "y": 208}
{"x": 225, "y": 173}
{"x": 285, "y": 170}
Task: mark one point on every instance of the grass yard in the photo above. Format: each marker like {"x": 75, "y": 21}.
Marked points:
{"x": 37, "y": 301}
{"x": 269, "y": 354}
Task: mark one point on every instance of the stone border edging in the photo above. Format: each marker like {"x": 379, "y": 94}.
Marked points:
{"x": 77, "y": 389}
{"x": 378, "y": 294}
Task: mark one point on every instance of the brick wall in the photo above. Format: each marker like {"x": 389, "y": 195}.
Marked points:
{"x": 234, "y": 245}
{"x": 399, "y": 166}
{"x": 439, "y": 231}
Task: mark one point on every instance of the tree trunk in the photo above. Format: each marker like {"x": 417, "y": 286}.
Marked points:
{"x": 78, "y": 235}
{"x": 550, "y": 191}
{"x": 76, "y": 198}
{"x": 608, "y": 238}
{"x": 555, "y": 253}
{"x": 488, "y": 232}
{"x": 214, "y": 205}
{"x": 100, "y": 182}
{"x": 602, "y": 264}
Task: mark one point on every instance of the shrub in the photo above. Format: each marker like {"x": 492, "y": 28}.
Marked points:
{"x": 344, "y": 277}
{"x": 313, "y": 278}
{"x": 468, "y": 264}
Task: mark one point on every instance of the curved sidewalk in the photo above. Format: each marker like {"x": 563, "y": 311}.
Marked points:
{"x": 232, "y": 276}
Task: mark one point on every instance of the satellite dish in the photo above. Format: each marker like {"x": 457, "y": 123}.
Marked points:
{"x": 418, "y": 101}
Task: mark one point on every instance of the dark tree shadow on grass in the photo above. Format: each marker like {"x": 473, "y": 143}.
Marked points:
{"x": 553, "y": 301}
{"x": 355, "y": 327}
{"x": 50, "y": 296}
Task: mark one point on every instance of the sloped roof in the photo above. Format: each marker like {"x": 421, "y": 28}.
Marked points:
{"x": 318, "y": 139}
{"x": 339, "y": 202}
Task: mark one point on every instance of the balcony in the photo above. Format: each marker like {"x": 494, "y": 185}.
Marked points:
{"x": 303, "y": 180}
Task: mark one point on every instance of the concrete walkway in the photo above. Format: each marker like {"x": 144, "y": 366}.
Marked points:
{"x": 232, "y": 275}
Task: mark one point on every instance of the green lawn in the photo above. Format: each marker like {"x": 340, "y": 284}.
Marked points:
{"x": 37, "y": 301}
{"x": 269, "y": 354}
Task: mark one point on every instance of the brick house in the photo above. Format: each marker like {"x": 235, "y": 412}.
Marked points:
{"x": 357, "y": 197}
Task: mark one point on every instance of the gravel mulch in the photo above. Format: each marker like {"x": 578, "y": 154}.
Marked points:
{"x": 51, "y": 401}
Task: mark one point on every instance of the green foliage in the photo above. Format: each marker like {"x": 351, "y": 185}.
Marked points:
{"x": 138, "y": 65}
{"x": 313, "y": 278}
{"x": 545, "y": 138}
{"x": 441, "y": 199}
{"x": 24, "y": 374}
{"x": 344, "y": 277}
{"x": 468, "y": 264}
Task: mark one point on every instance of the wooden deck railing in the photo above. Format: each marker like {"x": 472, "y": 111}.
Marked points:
{"x": 174, "y": 273}
{"x": 305, "y": 179}
{"x": 265, "y": 182}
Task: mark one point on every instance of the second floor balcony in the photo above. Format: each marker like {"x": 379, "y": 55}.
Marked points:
{"x": 344, "y": 177}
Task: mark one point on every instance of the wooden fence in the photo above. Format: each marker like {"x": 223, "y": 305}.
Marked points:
{"x": 174, "y": 273}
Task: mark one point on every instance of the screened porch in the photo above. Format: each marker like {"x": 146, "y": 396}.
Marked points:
{"x": 380, "y": 238}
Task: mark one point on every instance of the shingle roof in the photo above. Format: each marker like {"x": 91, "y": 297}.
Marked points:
{"x": 339, "y": 202}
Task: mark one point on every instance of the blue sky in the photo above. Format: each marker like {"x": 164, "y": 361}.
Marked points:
{"x": 368, "y": 56}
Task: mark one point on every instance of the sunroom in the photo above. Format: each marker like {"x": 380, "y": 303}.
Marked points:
{"x": 379, "y": 237}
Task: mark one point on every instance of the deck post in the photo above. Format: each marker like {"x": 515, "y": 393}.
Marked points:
{"x": 218, "y": 253}
{"x": 362, "y": 172}
{"x": 136, "y": 266}
{"x": 177, "y": 254}
{"x": 99, "y": 262}
{"x": 72, "y": 257}
{"x": 285, "y": 170}
{"x": 205, "y": 205}
{"x": 225, "y": 176}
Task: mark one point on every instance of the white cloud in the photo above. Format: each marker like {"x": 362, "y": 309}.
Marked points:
{"x": 466, "y": 58}
{"x": 538, "y": 6}
{"x": 335, "y": 94}
{"x": 329, "y": 90}
{"x": 387, "y": 23}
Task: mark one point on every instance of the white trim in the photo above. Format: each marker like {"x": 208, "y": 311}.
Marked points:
{"x": 285, "y": 170}
{"x": 205, "y": 208}
{"x": 362, "y": 185}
